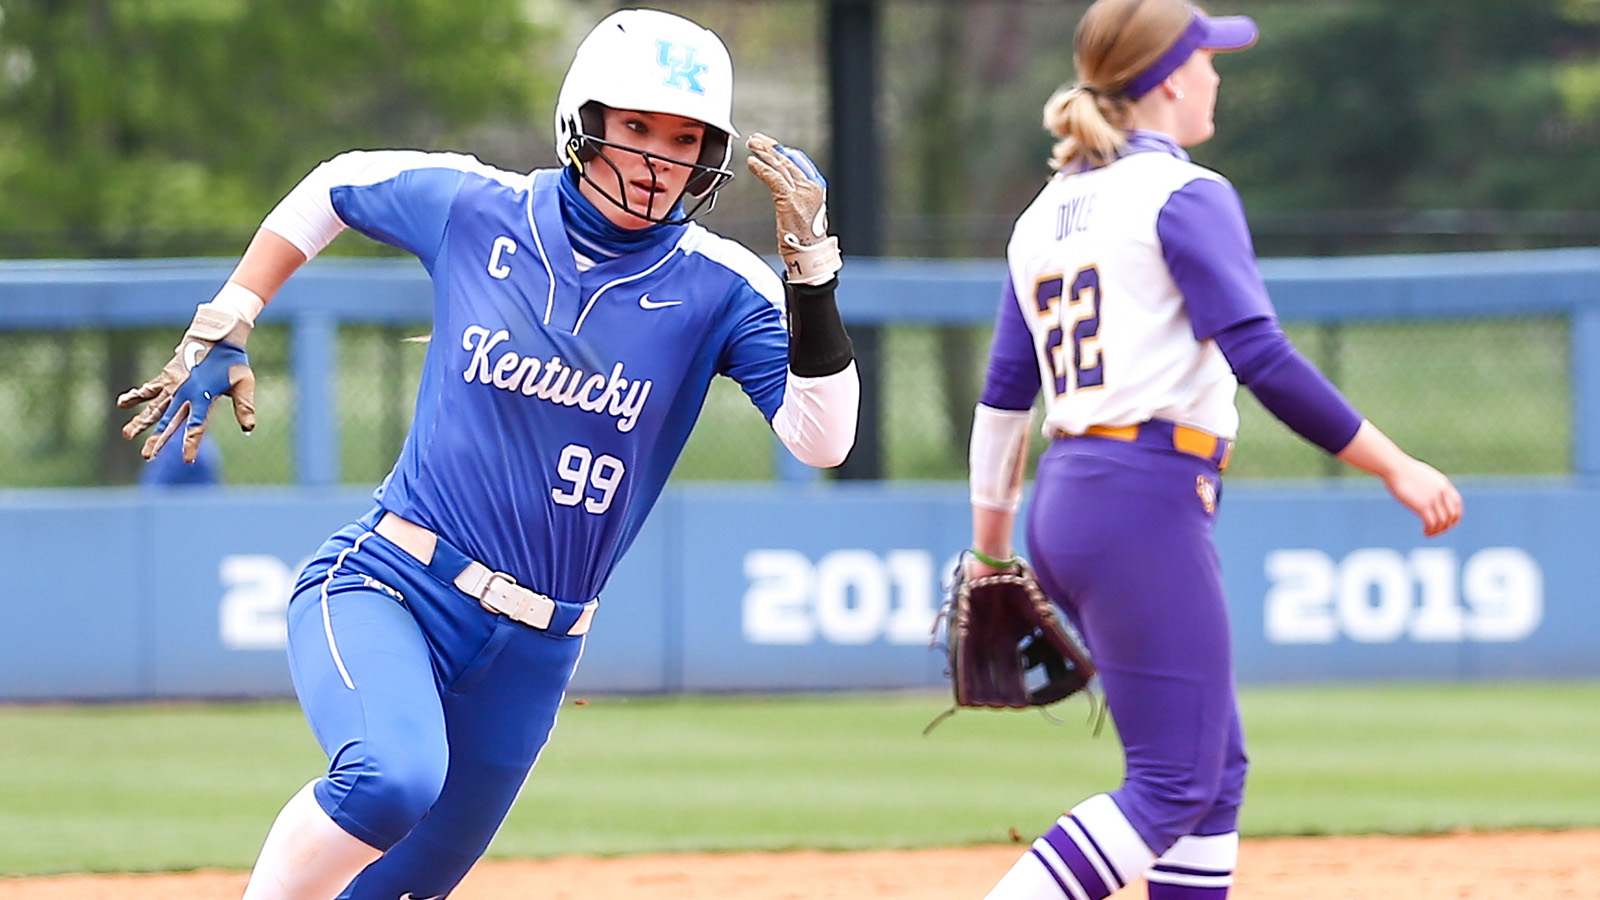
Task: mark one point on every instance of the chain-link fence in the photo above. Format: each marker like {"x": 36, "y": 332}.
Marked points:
{"x": 1474, "y": 397}
{"x": 1426, "y": 145}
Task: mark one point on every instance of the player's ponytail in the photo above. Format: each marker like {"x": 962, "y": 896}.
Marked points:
{"x": 1115, "y": 42}
{"x": 1089, "y": 123}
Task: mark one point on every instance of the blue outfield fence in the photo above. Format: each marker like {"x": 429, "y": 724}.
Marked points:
{"x": 809, "y": 585}
{"x": 778, "y": 587}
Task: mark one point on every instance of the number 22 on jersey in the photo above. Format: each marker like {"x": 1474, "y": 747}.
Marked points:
{"x": 1074, "y": 328}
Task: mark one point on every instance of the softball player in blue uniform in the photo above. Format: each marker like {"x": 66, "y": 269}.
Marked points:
{"x": 1135, "y": 303}
{"x": 579, "y": 317}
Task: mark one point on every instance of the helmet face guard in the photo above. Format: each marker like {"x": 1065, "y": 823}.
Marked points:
{"x": 707, "y": 174}
{"x": 650, "y": 61}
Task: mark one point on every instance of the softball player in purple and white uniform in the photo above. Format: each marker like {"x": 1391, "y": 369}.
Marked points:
{"x": 579, "y": 318}
{"x": 1135, "y": 303}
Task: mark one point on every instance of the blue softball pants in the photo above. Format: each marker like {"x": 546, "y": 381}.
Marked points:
{"x": 431, "y": 709}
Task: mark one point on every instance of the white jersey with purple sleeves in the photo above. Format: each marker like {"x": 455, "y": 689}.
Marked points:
{"x": 1115, "y": 342}
{"x": 554, "y": 402}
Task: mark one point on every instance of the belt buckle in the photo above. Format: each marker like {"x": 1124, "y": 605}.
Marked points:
{"x": 516, "y": 601}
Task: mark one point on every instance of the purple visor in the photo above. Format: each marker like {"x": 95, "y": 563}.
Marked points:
{"x": 1203, "y": 33}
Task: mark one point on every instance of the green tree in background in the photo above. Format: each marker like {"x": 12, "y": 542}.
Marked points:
{"x": 162, "y": 127}
{"x": 1484, "y": 105}
{"x": 168, "y": 127}
{"x": 133, "y": 128}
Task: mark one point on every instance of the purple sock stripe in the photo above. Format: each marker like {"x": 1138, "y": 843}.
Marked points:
{"x": 1065, "y": 891}
{"x": 1104, "y": 859}
{"x": 1160, "y": 891}
{"x": 1077, "y": 861}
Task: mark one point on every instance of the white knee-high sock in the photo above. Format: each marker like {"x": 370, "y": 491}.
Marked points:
{"x": 307, "y": 856}
{"x": 1195, "y": 868}
{"x": 1089, "y": 854}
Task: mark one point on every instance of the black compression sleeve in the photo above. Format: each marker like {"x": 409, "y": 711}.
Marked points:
{"x": 818, "y": 344}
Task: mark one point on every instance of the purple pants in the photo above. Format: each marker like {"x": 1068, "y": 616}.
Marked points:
{"x": 1121, "y": 537}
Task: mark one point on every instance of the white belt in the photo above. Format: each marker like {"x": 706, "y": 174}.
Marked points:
{"x": 496, "y": 591}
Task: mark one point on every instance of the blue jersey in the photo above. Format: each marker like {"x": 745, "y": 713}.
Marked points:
{"x": 554, "y": 402}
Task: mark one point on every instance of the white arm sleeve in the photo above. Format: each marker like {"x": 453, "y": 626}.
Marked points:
{"x": 305, "y": 216}
{"x": 817, "y": 420}
{"x": 996, "y": 456}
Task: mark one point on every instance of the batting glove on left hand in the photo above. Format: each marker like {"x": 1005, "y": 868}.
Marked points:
{"x": 800, "y": 198}
{"x": 210, "y": 361}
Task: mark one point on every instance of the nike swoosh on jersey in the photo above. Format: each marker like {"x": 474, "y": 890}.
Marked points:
{"x": 646, "y": 303}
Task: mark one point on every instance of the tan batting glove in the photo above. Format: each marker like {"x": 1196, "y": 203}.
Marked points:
{"x": 208, "y": 362}
{"x": 800, "y": 198}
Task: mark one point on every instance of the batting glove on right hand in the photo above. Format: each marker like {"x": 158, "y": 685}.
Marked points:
{"x": 210, "y": 361}
{"x": 800, "y": 199}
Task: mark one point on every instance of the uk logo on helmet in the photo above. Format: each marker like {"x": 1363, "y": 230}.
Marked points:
{"x": 683, "y": 70}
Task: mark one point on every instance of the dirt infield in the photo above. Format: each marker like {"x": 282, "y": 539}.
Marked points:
{"x": 1524, "y": 865}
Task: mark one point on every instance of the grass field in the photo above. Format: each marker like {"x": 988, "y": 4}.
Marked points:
{"x": 156, "y": 787}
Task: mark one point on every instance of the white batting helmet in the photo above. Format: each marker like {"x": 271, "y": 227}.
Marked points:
{"x": 650, "y": 61}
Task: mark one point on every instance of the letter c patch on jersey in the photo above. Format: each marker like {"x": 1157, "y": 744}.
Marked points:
{"x": 502, "y": 245}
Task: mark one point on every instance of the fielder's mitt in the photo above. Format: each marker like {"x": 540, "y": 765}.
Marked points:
{"x": 1009, "y": 646}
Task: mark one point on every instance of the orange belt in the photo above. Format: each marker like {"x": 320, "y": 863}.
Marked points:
{"x": 1162, "y": 433}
